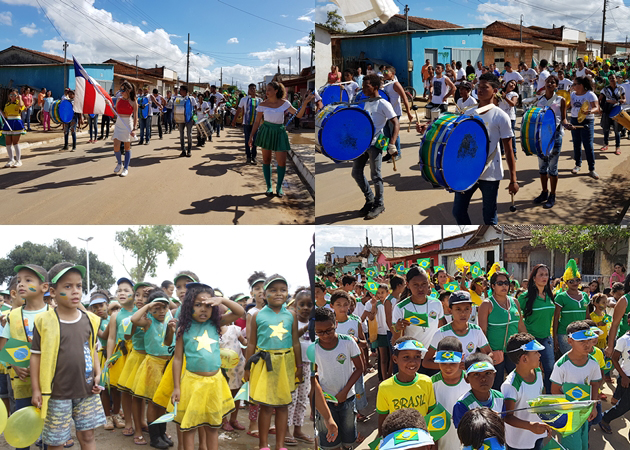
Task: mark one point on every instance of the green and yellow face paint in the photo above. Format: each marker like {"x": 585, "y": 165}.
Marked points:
{"x": 32, "y": 288}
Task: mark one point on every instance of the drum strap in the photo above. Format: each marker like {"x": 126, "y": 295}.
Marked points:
{"x": 481, "y": 110}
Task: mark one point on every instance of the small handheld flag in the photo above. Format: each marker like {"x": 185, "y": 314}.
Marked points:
{"x": 451, "y": 287}
{"x": 438, "y": 421}
{"x": 417, "y": 319}
{"x": 16, "y": 353}
{"x": 434, "y": 293}
{"x": 370, "y": 272}
{"x": 168, "y": 417}
{"x": 400, "y": 269}
{"x": 437, "y": 269}
{"x": 564, "y": 416}
{"x": 330, "y": 398}
{"x": 425, "y": 263}
{"x": 371, "y": 286}
{"x": 475, "y": 270}
{"x": 243, "y": 393}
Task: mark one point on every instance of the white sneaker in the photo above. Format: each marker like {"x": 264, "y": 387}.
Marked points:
{"x": 118, "y": 167}
{"x": 17, "y": 164}
{"x": 124, "y": 173}
{"x": 593, "y": 174}
{"x": 10, "y": 163}
{"x": 576, "y": 169}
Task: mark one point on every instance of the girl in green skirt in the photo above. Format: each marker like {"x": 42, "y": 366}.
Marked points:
{"x": 271, "y": 135}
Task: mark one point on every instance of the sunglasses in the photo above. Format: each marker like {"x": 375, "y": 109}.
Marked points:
{"x": 574, "y": 281}
{"x": 502, "y": 283}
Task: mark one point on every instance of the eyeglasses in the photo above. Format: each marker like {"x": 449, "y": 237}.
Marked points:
{"x": 325, "y": 332}
{"x": 502, "y": 283}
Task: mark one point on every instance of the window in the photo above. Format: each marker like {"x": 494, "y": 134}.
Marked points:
{"x": 499, "y": 55}
{"x": 588, "y": 263}
{"x": 489, "y": 258}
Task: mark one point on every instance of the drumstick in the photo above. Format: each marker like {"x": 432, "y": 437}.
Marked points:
{"x": 512, "y": 208}
{"x": 408, "y": 127}
{"x": 394, "y": 161}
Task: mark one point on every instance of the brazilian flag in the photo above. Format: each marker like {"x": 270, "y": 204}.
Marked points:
{"x": 434, "y": 293}
{"x": 16, "y": 353}
{"x": 5, "y": 308}
{"x": 475, "y": 270}
{"x": 168, "y": 417}
{"x": 371, "y": 285}
{"x": 375, "y": 443}
{"x": 400, "y": 269}
{"x": 417, "y": 319}
{"x": 382, "y": 142}
{"x": 126, "y": 325}
{"x": 436, "y": 269}
{"x": 451, "y": 287}
{"x": 438, "y": 421}
{"x": 370, "y": 272}
{"x": 330, "y": 398}
{"x": 576, "y": 392}
{"x": 561, "y": 414}
{"x": 425, "y": 263}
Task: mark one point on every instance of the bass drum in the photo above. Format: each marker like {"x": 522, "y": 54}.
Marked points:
{"x": 333, "y": 93}
{"x": 143, "y": 107}
{"x": 454, "y": 151}
{"x": 343, "y": 132}
{"x": 62, "y": 111}
{"x": 182, "y": 110}
{"x": 538, "y": 131}
{"x": 360, "y": 98}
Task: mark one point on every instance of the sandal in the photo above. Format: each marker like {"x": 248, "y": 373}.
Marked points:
{"x": 226, "y": 426}
{"x": 237, "y": 426}
{"x": 288, "y": 440}
{"x": 304, "y": 438}
{"x": 119, "y": 422}
{"x": 69, "y": 443}
{"x": 605, "y": 427}
{"x": 139, "y": 440}
{"x": 361, "y": 418}
{"x": 272, "y": 430}
{"x": 128, "y": 431}
{"x": 109, "y": 423}
{"x": 145, "y": 428}
{"x": 253, "y": 434}
{"x": 618, "y": 151}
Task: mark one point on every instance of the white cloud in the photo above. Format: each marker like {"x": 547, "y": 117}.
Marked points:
{"x": 232, "y": 40}
{"x": 284, "y": 16}
{"x": 6, "y": 18}
{"x": 305, "y": 19}
{"x": 281, "y": 44}
{"x": 428, "y": 8}
{"x": 302, "y": 41}
{"x": 321, "y": 15}
{"x": 144, "y": 22}
{"x": 30, "y": 30}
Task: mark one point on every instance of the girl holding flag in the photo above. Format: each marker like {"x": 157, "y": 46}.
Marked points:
{"x": 127, "y": 110}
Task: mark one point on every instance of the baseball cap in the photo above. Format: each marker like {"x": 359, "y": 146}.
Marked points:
{"x": 97, "y": 301}
{"x": 459, "y": 297}
{"x": 62, "y": 272}
{"x": 125, "y": 280}
{"x": 41, "y": 273}
{"x": 139, "y": 285}
{"x": 274, "y": 279}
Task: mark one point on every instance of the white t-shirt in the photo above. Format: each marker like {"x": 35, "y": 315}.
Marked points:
{"x": 29, "y": 322}
{"x": 381, "y": 320}
{"x": 394, "y": 98}
{"x": 349, "y": 327}
{"x": 509, "y": 110}
{"x": 564, "y": 84}
{"x": 623, "y": 347}
{"x": 499, "y": 127}
{"x": 514, "y": 75}
{"x": 351, "y": 88}
{"x": 158, "y": 101}
{"x": 447, "y": 395}
{"x": 529, "y": 75}
{"x": 580, "y": 72}
{"x": 245, "y": 104}
{"x": 274, "y": 115}
{"x": 478, "y": 73}
{"x": 358, "y": 311}
{"x": 380, "y": 111}
{"x": 459, "y": 74}
{"x": 519, "y": 390}
{"x": 577, "y": 100}
{"x": 564, "y": 371}
{"x": 440, "y": 89}
{"x": 335, "y": 367}
{"x": 474, "y": 339}
{"x": 422, "y": 332}
{"x": 555, "y": 103}
{"x": 218, "y": 98}
{"x": 465, "y": 104}
{"x": 542, "y": 77}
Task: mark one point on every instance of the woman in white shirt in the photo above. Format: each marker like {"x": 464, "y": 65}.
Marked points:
{"x": 396, "y": 93}
{"x": 508, "y": 104}
{"x": 271, "y": 135}
{"x": 583, "y": 92}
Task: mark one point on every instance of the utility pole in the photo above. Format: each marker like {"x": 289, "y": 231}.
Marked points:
{"x": 65, "y": 72}
{"x": 407, "y": 49}
{"x": 136, "y": 66}
{"x": 221, "y": 85}
{"x": 187, "y": 58}
{"x": 289, "y": 65}
{"x": 392, "y": 230}
{"x": 300, "y": 57}
{"x": 521, "y": 41}
{"x": 603, "y": 27}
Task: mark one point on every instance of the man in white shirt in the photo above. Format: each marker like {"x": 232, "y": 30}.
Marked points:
{"x": 157, "y": 106}
{"x": 510, "y": 74}
{"x": 460, "y": 76}
{"x": 219, "y": 101}
{"x": 542, "y": 77}
{"x": 499, "y": 129}
{"x": 478, "y": 70}
{"x": 380, "y": 110}
{"x": 247, "y": 106}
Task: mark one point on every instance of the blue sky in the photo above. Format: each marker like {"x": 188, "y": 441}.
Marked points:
{"x": 579, "y": 14}
{"x": 246, "y": 47}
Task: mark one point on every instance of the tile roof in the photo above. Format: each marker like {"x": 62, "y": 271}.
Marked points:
{"x": 500, "y": 42}
{"x": 429, "y": 23}
{"x": 46, "y": 55}
{"x": 517, "y": 27}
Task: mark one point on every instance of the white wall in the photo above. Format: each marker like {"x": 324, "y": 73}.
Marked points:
{"x": 470, "y": 255}
{"x": 323, "y": 56}
{"x": 569, "y": 34}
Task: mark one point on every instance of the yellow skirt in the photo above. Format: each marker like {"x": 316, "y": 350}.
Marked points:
{"x": 128, "y": 374}
{"x": 162, "y": 396}
{"x": 273, "y": 388}
{"x": 204, "y": 401}
{"x": 116, "y": 369}
{"x": 21, "y": 389}
{"x": 148, "y": 377}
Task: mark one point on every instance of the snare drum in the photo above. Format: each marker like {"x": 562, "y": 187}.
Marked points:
{"x": 62, "y": 111}
{"x": 343, "y": 132}
{"x": 454, "y": 151}
{"x": 204, "y": 128}
{"x": 432, "y": 111}
{"x": 143, "y": 106}
{"x": 538, "y": 131}
{"x": 182, "y": 110}
{"x": 333, "y": 93}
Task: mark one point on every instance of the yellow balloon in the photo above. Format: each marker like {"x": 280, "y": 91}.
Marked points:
{"x": 586, "y": 58}
{"x": 229, "y": 358}
{"x": 3, "y": 417}
{"x": 24, "y": 427}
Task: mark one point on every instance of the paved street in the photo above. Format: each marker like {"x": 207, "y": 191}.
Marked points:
{"x": 409, "y": 199}
{"x": 214, "y": 186}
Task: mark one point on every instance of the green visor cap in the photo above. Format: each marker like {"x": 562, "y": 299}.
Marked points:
{"x": 274, "y": 279}
{"x": 260, "y": 280}
{"x": 183, "y": 275}
{"x": 81, "y": 270}
{"x": 32, "y": 269}
{"x": 163, "y": 300}
{"x": 139, "y": 285}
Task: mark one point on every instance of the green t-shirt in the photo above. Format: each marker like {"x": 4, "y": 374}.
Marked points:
{"x": 502, "y": 323}
{"x": 538, "y": 323}
{"x": 623, "y": 326}
{"x": 571, "y": 310}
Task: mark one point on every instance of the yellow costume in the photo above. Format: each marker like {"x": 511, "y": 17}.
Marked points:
{"x": 149, "y": 373}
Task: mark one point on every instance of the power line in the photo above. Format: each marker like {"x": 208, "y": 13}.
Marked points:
{"x": 262, "y": 18}
{"x": 53, "y": 25}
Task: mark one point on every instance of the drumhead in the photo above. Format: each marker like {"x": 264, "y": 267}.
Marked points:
{"x": 344, "y": 133}
{"x": 547, "y": 132}
{"x": 615, "y": 111}
{"x": 143, "y": 106}
{"x": 361, "y": 96}
{"x": 333, "y": 94}
{"x": 65, "y": 111}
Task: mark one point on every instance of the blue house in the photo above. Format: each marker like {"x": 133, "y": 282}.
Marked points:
{"x": 406, "y": 46}
{"x": 24, "y": 67}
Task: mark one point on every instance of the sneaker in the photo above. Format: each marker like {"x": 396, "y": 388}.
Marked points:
{"x": 188, "y": 155}
{"x": 10, "y": 163}
{"x": 550, "y": 202}
{"x": 366, "y": 208}
{"x": 576, "y": 169}
{"x": 118, "y": 167}
{"x": 182, "y": 154}
{"x": 140, "y": 142}
{"x": 146, "y": 143}
{"x": 18, "y": 163}
{"x": 249, "y": 161}
{"x": 542, "y": 197}
{"x": 375, "y": 212}
{"x": 65, "y": 147}
{"x": 254, "y": 162}
{"x": 124, "y": 173}
{"x": 593, "y": 174}
{"x": 109, "y": 423}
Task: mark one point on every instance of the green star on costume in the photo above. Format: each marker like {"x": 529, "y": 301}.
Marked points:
{"x": 204, "y": 341}
{"x": 406, "y": 436}
{"x": 278, "y": 331}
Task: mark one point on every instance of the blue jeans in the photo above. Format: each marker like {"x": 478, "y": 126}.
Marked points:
{"x": 375, "y": 157}
{"x": 563, "y": 343}
{"x": 502, "y": 369}
{"x": 622, "y": 406}
{"x": 71, "y": 128}
{"x": 145, "y": 129}
{"x": 583, "y": 136}
{"x": 607, "y": 122}
{"x": 548, "y": 165}
{"x": 250, "y": 152}
{"x": 27, "y": 117}
{"x": 489, "y": 194}
{"x": 93, "y": 125}
{"x": 537, "y": 446}
{"x": 344, "y": 417}
{"x": 547, "y": 359}
{"x": 168, "y": 120}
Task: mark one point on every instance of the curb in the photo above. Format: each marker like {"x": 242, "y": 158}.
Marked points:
{"x": 307, "y": 177}
{"x": 26, "y": 145}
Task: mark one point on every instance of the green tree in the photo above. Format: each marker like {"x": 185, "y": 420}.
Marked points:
{"x": 610, "y": 239}
{"x": 147, "y": 244}
{"x": 335, "y": 21}
{"x": 101, "y": 274}
{"x": 311, "y": 40}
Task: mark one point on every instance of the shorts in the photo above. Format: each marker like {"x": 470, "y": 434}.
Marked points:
{"x": 381, "y": 341}
{"x": 548, "y": 165}
{"x": 344, "y": 417}
{"x": 4, "y": 385}
{"x": 87, "y": 414}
